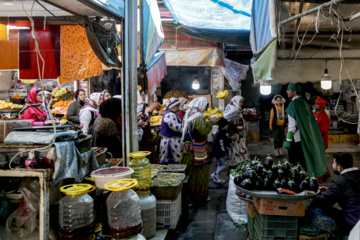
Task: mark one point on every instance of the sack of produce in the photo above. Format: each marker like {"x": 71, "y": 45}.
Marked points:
{"x": 235, "y": 207}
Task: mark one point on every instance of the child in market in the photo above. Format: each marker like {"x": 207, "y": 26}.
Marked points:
{"x": 277, "y": 123}
{"x": 221, "y": 150}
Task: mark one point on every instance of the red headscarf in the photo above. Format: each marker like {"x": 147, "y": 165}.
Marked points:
{"x": 321, "y": 102}
{"x": 33, "y": 109}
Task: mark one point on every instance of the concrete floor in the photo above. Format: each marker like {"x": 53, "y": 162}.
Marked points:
{"x": 211, "y": 220}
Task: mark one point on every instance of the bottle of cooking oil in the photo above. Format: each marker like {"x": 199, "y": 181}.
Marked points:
{"x": 141, "y": 166}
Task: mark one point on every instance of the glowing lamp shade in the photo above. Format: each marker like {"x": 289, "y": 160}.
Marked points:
{"x": 195, "y": 84}
{"x": 326, "y": 82}
{"x": 265, "y": 88}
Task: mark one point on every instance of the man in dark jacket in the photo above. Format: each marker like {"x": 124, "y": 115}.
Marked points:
{"x": 221, "y": 149}
{"x": 344, "y": 190}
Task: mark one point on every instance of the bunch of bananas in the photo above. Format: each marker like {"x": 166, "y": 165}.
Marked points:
{"x": 213, "y": 111}
{"x": 222, "y": 94}
{"x": 28, "y": 81}
{"x": 219, "y": 114}
{"x": 206, "y": 114}
{"x": 63, "y": 121}
{"x": 155, "y": 120}
{"x": 57, "y": 92}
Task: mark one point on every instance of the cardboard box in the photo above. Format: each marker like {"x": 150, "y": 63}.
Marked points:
{"x": 347, "y": 138}
{"x": 251, "y": 209}
{"x": 208, "y": 97}
{"x": 334, "y": 138}
{"x": 280, "y": 207}
{"x": 318, "y": 237}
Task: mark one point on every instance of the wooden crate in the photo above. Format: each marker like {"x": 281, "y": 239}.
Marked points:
{"x": 334, "y": 138}
{"x": 252, "y": 137}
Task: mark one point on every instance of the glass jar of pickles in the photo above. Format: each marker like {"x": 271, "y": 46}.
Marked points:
{"x": 142, "y": 173}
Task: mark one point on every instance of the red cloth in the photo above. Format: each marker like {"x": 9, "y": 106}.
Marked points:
{"x": 181, "y": 114}
{"x": 321, "y": 102}
{"x": 323, "y": 122}
{"x": 33, "y": 110}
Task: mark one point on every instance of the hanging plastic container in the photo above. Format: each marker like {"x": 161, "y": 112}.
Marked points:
{"x": 142, "y": 173}
{"x": 148, "y": 214}
{"x": 123, "y": 209}
{"x": 76, "y": 212}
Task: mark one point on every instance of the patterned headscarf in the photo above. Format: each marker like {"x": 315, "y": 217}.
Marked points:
{"x": 172, "y": 102}
{"x": 183, "y": 102}
{"x": 321, "y": 102}
{"x": 103, "y": 94}
{"x": 32, "y": 107}
{"x": 195, "y": 109}
{"x": 232, "y": 110}
{"x": 92, "y": 103}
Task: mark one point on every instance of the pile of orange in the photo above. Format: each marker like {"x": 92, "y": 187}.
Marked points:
{"x": 64, "y": 104}
{"x": 17, "y": 97}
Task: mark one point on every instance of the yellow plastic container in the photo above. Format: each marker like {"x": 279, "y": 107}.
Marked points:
{"x": 142, "y": 173}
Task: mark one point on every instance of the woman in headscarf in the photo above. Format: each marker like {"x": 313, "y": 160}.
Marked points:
{"x": 107, "y": 127}
{"x": 47, "y": 103}
{"x": 146, "y": 140}
{"x": 182, "y": 108}
{"x": 75, "y": 107}
{"x": 194, "y": 149}
{"x": 89, "y": 112}
{"x": 106, "y": 95}
{"x": 171, "y": 131}
{"x": 236, "y": 131}
{"x": 34, "y": 108}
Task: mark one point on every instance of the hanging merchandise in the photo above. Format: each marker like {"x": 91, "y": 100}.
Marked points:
{"x": 234, "y": 72}
{"x": 222, "y": 94}
{"x": 76, "y": 212}
{"x": 141, "y": 166}
{"x": 148, "y": 214}
{"x": 123, "y": 209}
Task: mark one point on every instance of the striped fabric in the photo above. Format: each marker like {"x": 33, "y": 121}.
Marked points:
{"x": 200, "y": 153}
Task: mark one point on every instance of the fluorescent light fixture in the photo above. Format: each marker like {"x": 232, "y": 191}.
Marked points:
{"x": 16, "y": 27}
{"x": 195, "y": 84}
{"x": 265, "y": 88}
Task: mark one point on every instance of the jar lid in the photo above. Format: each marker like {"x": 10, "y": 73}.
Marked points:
{"x": 76, "y": 189}
{"x": 139, "y": 154}
{"x": 90, "y": 178}
{"x": 121, "y": 185}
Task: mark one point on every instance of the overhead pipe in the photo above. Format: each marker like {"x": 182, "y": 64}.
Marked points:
{"x": 315, "y": 9}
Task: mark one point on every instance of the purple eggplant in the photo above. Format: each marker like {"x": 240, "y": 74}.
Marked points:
{"x": 258, "y": 168}
{"x": 246, "y": 172}
{"x": 304, "y": 185}
{"x": 302, "y": 175}
{"x": 280, "y": 174}
{"x": 286, "y": 167}
{"x": 293, "y": 186}
{"x": 238, "y": 179}
{"x": 268, "y": 162}
{"x": 252, "y": 176}
{"x": 313, "y": 184}
{"x": 271, "y": 176}
{"x": 267, "y": 184}
{"x": 276, "y": 184}
{"x": 264, "y": 173}
{"x": 298, "y": 167}
{"x": 253, "y": 163}
{"x": 294, "y": 175}
{"x": 247, "y": 185}
{"x": 259, "y": 184}
{"x": 274, "y": 168}
{"x": 284, "y": 183}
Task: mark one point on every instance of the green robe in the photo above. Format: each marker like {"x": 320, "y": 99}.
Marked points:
{"x": 311, "y": 141}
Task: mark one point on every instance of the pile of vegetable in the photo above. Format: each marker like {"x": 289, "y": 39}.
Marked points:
{"x": 253, "y": 175}
{"x": 175, "y": 94}
{"x": 169, "y": 167}
{"x": 167, "y": 179}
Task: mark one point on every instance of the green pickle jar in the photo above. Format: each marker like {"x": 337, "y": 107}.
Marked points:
{"x": 141, "y": 166}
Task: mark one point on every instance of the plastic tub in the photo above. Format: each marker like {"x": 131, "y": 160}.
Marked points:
{"x": 105, "y": 175}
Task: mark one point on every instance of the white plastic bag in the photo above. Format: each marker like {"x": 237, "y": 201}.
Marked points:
{"x": 235, "y": 207}
{"x": 234, "y": 73}
{"x": 355, "y": 232}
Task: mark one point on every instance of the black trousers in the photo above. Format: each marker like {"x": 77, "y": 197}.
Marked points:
{"x": 296, "y": 154}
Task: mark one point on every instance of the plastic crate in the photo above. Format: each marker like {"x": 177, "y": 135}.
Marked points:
{"x": 168, "y": 213}
{"x": 251, "y": 226}
{"x": 271, "y": 227}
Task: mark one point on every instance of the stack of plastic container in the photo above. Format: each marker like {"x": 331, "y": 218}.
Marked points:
{"x": 76, "y": 212}
{"x": 142, "y": 173}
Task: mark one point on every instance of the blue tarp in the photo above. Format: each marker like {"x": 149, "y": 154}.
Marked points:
{"x": 225, "y": 21}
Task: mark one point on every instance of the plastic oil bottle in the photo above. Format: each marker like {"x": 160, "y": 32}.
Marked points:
{"x": 76, "y": 212}
{"x": 142, "y": 173}
{"x": 123, "y": 209}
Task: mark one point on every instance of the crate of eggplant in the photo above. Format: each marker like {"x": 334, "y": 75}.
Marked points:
{"x": 167, "y": 186}
{"x": 277, "y": 181}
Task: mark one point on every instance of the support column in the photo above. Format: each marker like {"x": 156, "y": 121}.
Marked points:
{"x": 130, "y": 76}
{"x": 217, "y": 85}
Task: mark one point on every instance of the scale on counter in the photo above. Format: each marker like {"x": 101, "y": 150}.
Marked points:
{"x": 46, "y": 128}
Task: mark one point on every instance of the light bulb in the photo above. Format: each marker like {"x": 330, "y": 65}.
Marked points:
{"x": 265, "y": 88}
{"x": 195, "y": 84}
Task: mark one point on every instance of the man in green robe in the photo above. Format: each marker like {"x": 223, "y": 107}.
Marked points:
{"x": 304, "y": 142}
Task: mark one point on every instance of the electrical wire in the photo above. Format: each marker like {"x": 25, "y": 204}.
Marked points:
{"x": 41, "y": 72}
